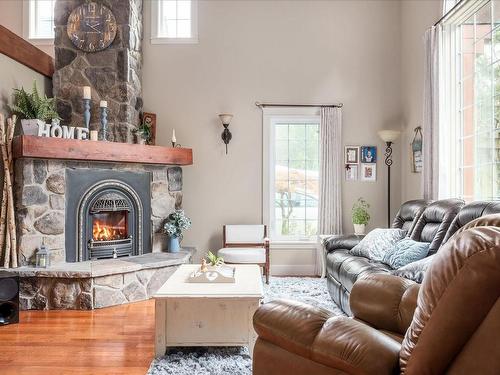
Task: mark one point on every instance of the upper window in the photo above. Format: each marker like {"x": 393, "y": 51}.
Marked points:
{"x": 471, "y": 136}
{"x": 292, "y": 180}
{"x": 39, "y": 20}
{"x": 174, "y": 21}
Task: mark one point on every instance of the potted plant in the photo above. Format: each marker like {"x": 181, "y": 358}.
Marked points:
{"x": 174, "y": 225}
{"x": 144, "y": 133}
{"x": 360, "y": 216}
{"x": 212, "y": 262}
{"x": 33, "y": 109}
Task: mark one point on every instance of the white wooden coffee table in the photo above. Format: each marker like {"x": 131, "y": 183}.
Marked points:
{"x": 196, "y": 314}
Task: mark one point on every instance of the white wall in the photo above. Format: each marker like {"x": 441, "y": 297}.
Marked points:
{"x": 280, "y": 51}
{"x": 416, "y": 17}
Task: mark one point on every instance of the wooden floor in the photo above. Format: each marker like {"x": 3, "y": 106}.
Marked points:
{"x": 115, "y": 340}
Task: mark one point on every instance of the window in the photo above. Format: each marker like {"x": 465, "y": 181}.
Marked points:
{"x": 471, "y": 133}
{"x": 292, "y": 181}
{"x": 39, "y": 20}
{"x": 174, "y": 21}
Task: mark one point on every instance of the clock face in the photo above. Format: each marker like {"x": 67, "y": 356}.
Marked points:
{"x": 91, "y": 27}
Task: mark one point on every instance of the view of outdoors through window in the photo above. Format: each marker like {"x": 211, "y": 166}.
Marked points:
{"x": 41, "y": 21}
{"x": 479, "y": 146}
{"x": 175, "y": 19}
{"x": 296, "y": 179}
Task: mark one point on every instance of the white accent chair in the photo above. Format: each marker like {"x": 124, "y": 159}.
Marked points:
{"x": 246, "y": 244}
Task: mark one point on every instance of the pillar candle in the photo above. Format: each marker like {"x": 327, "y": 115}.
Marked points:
{"x": 103, "y": 104}
{"x": 94, "y": 135}
{"x": 173, "y": 136}
{"x": 86, "y": 92}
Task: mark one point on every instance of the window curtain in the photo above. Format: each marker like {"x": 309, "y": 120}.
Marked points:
{"x": 430, "y": 123}
{"x": 330, "y": 154}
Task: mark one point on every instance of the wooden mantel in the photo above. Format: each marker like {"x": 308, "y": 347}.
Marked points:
{"x": 28, "y": 146}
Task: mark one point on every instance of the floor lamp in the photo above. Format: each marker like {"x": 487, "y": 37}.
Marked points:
{"x": 388, "y": 136}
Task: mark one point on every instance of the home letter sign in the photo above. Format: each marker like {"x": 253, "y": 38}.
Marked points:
{"x": 57, "y": 131}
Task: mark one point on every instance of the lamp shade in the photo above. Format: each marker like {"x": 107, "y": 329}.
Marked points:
{"x": 389, "y": 135}
{"x": 225, "y": 118}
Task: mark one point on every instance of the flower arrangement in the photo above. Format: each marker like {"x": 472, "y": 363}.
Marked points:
{"x": 360, "y": 213}
{"x": 176, "y": 223}
{"x": 33, "y": 105}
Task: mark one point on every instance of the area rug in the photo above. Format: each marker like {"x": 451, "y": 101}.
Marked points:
{"x": 236, "y": 360}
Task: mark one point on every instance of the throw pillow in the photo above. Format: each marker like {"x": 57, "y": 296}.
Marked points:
{"x": 405, "y": 252}
{"x": 415, "y": 271}
{"x": 377, "y": 243}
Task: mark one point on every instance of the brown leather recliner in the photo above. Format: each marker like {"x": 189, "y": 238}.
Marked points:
{"x": 448, "y": 325}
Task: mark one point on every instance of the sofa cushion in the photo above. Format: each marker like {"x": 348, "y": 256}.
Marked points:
{"x": 377, "y": 243}
{"x": 415, "y": 271}
{"x": 355, "y": 267}
{"x": 406, "y": 251}
{"x": 435, "y": 221}
{"x": 409, "y": 213}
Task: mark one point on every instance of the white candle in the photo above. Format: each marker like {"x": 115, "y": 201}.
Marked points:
{"x": 86, "y": 92}
{"x": 93, "y": 135}
{"x": 103, "y": 104}
{"x": 173, "y": 136}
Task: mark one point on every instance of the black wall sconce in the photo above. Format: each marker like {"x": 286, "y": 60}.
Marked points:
{"x": 225, "y": 118}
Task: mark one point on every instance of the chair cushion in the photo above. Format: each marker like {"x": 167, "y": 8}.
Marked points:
{"x": 405, "y": 252}
{"x": 245, "y": 234}
{"x": 377, "y": 243}
{"x": 243, "y": 254}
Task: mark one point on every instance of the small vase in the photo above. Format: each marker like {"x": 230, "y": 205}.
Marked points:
{"x": 30, "y": 127}
{"x": 173, "y": 244}
{"x": 359, "y": 229}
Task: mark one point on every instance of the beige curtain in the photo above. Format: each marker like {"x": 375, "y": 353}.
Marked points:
{"x": 430, "y": 123}
{"x": 330, "y": 191}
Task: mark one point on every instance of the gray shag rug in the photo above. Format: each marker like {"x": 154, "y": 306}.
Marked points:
{"x": 236, "y": 360}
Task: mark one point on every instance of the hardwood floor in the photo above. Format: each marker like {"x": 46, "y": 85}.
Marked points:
{"x": 115, "y": 340}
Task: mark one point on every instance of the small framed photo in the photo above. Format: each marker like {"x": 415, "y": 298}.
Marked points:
{"x": 352, "y": 154}
{"x": 150, "y": 120}
{"x": 351, "y": 172}
{"x": 368, "y": 154}
{"x": 369, "y": 172}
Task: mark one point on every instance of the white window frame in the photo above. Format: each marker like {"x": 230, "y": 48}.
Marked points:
{"x": 155, "y": 26}
{"x": 28, "y": 24}
{"x": 269, "y": 117}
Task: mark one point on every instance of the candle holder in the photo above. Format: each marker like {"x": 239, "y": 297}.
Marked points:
{"x": 86, "y": 112}
{"x": 104, "y": 123}
{"x": 175, "y": 144}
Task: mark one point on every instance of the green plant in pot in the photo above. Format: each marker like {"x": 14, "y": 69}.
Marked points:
{"x": 360, "y": 216}
{"x": 144, "y": 133}
{"x": 33, "y": 109}
{"x": 176, "y": 223}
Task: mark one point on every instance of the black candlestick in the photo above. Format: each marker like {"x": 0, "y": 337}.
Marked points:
{"x": 388, "y": 162}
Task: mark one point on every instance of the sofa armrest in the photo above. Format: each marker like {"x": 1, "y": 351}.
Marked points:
{"x": 384, "y": 301}
{"x": 334, "y": 341}
{"x": 341, "y": 242}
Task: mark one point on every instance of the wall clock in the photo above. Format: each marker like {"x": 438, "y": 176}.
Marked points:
{"x": 91, "y": 27}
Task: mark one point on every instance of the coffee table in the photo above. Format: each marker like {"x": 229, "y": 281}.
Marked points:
{"x": 207, "y": 314}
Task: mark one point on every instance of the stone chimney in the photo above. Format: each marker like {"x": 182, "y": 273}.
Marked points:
{"x": 114, "y": 74}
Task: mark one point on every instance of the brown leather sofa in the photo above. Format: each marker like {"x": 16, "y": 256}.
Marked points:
{"x": 447, "y": 325}
{"x": 424, "y": 221}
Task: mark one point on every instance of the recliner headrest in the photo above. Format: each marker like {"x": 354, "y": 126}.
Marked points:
{"x": 409, "y": 213}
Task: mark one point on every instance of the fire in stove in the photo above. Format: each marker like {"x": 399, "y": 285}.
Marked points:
{"x": 110, "y": 226}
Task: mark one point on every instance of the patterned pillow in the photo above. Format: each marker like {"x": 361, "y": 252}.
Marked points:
{"x": 405, "y": 252}
{"x": 377, "y": 243}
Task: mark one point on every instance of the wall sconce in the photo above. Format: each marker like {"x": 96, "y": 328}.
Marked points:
{"x": 225, "y": 118}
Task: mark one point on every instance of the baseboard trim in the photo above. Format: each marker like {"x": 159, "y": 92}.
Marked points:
{"x": 293, "y": 270}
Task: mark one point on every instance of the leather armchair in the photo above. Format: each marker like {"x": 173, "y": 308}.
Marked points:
{"x": 449, "y": 324}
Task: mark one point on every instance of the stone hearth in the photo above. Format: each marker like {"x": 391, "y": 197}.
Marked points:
{"x": 97, "y": 284}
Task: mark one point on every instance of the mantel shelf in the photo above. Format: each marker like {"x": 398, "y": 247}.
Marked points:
{"x": 28, "y": 146}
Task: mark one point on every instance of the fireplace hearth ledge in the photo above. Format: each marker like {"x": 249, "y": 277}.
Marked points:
{"x": 96, "y": 284}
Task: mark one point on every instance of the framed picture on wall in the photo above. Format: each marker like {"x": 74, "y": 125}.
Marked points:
{"x": 150, "y": 120}
{"x": 351, "y": 154}
{"x": 369, "y": 172}
{"x": 368, "y": 154}
{"x": 351, "y": 172}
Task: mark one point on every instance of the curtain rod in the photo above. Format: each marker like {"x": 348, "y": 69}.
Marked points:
{"x": 450, "y": 12}
{"x": 262, "y": 105}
